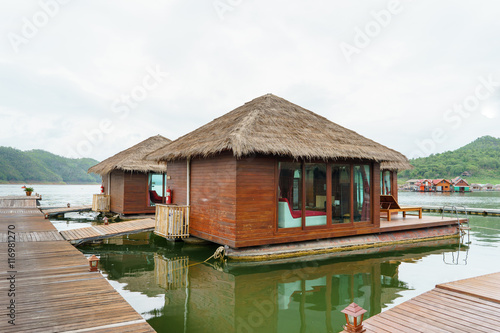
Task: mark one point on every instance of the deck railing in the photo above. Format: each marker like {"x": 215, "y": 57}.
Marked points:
{"x": 172, "y": 221}
{"x": 100, "y": 203}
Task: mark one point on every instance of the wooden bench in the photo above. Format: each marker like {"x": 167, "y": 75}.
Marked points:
{"x": 389, "y": 205}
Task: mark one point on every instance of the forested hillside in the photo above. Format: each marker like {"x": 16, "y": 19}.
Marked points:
{"x": 39, "y": 166}
{"x": 481, "y": 158}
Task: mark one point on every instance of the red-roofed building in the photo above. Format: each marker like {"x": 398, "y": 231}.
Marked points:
{"x": 460, "y": 185}
{"x": 441, "y": 185}
{"x": 424, "y": 185}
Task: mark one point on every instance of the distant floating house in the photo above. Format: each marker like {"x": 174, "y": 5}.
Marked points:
{"x": 134, "y": 184}
{"x": 487, "y": 187}
{"x": 496, "y": 187}
{"x": 273, "y": 172}
{"x": 460, "y": 185}
{"x": 424, "y": 185}
{"x": 466, "y": 174}
{"x": 476, "y": 187}
{"x": 441, "y": 185}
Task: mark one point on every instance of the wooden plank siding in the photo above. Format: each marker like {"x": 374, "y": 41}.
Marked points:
{"x": 129, "y": 192}
{"x": 116, "y": 191}
{"x": 256, "y": 199}
{"x": 213, "y": 199}
{"x": 177, "y": 173}
{"x": 136, "y": 199}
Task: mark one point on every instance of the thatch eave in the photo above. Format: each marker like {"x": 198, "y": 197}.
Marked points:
{"x": 132, "y": 159}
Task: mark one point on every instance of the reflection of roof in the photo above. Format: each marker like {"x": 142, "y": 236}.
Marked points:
{"x": 272, "y": 125}
{"x": 132, "y": 159}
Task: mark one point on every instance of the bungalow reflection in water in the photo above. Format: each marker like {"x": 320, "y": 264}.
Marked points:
{"x": 279, "y": 298}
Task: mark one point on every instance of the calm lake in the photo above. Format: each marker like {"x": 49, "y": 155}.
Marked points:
{"x": 173, "y": 289}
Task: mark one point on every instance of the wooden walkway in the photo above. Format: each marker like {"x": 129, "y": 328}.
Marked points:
{"x": 49, "y": 284}
{"x": 81, "y": 235}
{"x": 470, "y": 305}
{"x": 470, "y": 211}
{"x": 58, "y": 211}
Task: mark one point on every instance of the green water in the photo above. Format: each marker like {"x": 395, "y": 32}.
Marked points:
{"x": 167, "y": 283}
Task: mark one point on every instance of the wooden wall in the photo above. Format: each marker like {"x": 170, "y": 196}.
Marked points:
{"x": 213, "y": 199}
{"x": 256, "y": 198}
{"x": 116, "y": 191}
{"x": 136, "y": 199}
{"x": 256, "y": 208}
{"x": 234, "y": 202}
{"x": 177, "y": 172}
{"x": 129, "y": 192}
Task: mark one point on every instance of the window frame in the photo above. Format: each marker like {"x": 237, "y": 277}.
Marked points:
{"x": 329, "y": 225}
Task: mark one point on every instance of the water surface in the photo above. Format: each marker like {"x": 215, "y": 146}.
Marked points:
{"x": 173, "y": 289}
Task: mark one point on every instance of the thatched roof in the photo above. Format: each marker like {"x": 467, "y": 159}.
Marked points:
{"x": 132, "y": 159}
{"x": 397, "y": 165}
{"x": 272, "y": 125}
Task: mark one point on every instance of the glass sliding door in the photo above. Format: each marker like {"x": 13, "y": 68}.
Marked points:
{"x": 341, "y": 193}
{"x": 362, "y": 207}
{"x": 315, "y": 189}
{"x": 385, "y": 182}
{"x": 156, "y": 188}
{"x": 290, "y": 195}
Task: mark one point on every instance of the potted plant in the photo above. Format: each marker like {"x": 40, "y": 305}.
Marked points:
{"x": 28, "y": 190}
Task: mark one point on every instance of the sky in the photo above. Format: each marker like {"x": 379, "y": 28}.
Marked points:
{"x": 91, "y": 78}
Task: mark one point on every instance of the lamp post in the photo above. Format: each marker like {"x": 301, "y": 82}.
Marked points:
{"x": 93, "y": 263}
{"x": 354, "y": 318}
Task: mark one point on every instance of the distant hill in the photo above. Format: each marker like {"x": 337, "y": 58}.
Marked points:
{"x": 481, "y": 158}
{"x": 39, "y": 166}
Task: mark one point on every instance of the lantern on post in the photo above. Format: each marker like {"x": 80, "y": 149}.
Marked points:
{"x": 354, "y": 318}
{"x": 105, "y": 219}
{"x": 93, "y": 263}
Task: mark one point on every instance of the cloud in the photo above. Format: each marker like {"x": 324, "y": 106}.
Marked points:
{"x": 62, "y": 83}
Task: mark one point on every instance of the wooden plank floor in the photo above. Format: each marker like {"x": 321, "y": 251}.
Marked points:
{"x": 76, "y": 236}
{"x": 53, "y": 289}
{"x": 470, "y": 305}
{"x": 57, "y": 211}
{"x": 398, "y": 223}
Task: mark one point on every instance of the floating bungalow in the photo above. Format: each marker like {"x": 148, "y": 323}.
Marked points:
{"x": 441, "y": 185}
{"x": 460, "y": 185}
{"x": 424, "y": 185}
{"x": 131, "y": 184}
{"x": 272, "y": 172}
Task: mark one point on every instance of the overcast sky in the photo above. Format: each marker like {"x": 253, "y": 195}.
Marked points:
{"x": 91, "y": 78}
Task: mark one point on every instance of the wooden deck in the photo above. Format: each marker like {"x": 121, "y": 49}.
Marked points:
{"x": 63, "y": 210}
{"x": 470, "y": 305}
{"x": 51, "y": 285}
{"x": 81, "y": 235}
{"x": 399, "y": 223}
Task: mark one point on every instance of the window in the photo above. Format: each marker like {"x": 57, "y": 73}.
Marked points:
{"x": 312, "y": 193}
{"x": 341, "y": 194}
{"x": 315, "y": 190}
{"x": 290, "y": 195}
{"x": 362, "y": 207}
{"x": 156, "y": 188}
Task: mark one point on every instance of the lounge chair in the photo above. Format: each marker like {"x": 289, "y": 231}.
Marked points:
{"x": 389, "y": 205}
{"x": 154, "y": 197}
